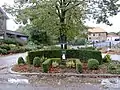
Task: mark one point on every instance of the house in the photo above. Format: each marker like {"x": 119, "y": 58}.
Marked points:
{"x": 96, "y": 34}
{"x": 113, "y": 37}
{"x": 4, "y": 33}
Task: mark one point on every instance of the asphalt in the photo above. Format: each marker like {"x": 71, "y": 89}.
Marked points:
{"x": 11, "y": 59}
{"x": 47, "y": 87}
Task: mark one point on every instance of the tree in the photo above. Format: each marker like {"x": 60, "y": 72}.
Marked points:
{"x": 36, "y": 35}
{"x": 63, "y": 17}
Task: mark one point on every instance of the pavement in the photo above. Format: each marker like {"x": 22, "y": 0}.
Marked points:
{"x": 44, "y": 87}
{"x": 11, "y": 59}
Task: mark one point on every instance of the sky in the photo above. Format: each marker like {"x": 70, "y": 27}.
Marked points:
{"x": 114, "y": 28}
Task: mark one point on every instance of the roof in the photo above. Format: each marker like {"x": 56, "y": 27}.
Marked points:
{"x": 13, "y": 32}
{"x": 112, "y": 35}
{"x": 96, "y": 29}
{"x": 4, "y": 14}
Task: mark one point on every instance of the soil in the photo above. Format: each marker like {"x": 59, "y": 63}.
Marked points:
{"x": 30, "y": 69}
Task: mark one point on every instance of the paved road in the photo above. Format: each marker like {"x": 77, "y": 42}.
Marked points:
{"x": 43, "y": 87}
{"x": 11, "y": 59}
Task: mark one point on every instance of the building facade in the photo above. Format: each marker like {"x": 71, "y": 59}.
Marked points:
{"x": 113, "y": 37}
{"x": 96, "y": 34}
{"x": 4, "y": 33}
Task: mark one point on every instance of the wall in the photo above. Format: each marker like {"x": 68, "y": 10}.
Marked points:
{"x": 97, "y": 36}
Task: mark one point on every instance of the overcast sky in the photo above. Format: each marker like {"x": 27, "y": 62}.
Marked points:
{"x": 114, "y": 28}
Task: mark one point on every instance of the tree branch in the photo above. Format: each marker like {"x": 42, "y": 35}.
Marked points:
{"x": 67, "y": 4}
{"x": 74, "y": 5}
{"x": 58, "y": 13}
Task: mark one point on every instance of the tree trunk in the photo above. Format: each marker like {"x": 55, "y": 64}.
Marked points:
{"x": 63, "y": 36}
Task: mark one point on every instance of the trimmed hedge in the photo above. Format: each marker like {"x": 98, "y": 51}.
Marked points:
{"x": 80, "y": 54}
{"x": 36, "y": 62}
{"x": 21, "y": 60}
{"x": 46, "y": 65}
{"x": 93, "y": 64}
{"x": 78, "y": 66}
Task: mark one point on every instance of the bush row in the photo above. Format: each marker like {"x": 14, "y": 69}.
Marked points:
{"x": 12, "y": 41}
{"x": 11, "y": 48}
{"x": 83, "y": 55}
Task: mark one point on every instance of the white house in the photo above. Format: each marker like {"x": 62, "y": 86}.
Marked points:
{"x": 97, "y": 34}
{"x": 112, "y": 37}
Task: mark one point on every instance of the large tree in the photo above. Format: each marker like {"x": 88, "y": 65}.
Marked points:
{"x": 63, "y": 17}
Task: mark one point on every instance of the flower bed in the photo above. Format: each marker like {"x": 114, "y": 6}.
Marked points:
{"x": 32, "y": 69}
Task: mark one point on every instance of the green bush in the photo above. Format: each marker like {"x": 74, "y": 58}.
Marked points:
{"x": 46, "y": 65}
{"x": 27, "y": 60}
{"x": 93, "y": 64}
{"x": 55, "y": 64}
{"x": 17, "y": 50}
{"x": 21, "y": 61}
{"x": 70, "y": 63}
{"x": 3, "y": 51}
{"x": 107, "y": 58}
{"x": 81, "y": 54}
{"x": 112, "y": 66}
{"x": 58, "y": 60}
{"x": 88, "y": 48}
{"x": 81, "y": 41}
{"x": 5, "y": 46}
{"x": 36, "y": 62}
{"x": 78, "y": 66}
{"x": 10, "y": 41}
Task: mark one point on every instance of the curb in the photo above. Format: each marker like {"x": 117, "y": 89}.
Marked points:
{"x": 69, "y": 74}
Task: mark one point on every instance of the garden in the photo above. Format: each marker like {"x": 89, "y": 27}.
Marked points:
{"x": 12, "y": 46}
{"x": 84, "y": 61}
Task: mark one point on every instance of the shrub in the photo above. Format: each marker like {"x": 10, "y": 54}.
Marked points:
{"x": 3, "y": 51}
{"x": 107, "y": 58}
{"x": 46, "y": 65}
{"x": 93, "y": 64}
{"x": 70, "y": 64}
{"x": 17, "y": 50}
{"x": 21, "y": 61}
{"x": 81, "y": 41}
{"x": 112, "y": 66}
{"x": 78, "y": 66}
{"x": 36, "y": 62}
{"x": 27, "y": 60}
{"x": 58, "y": 60}
{"x": 10, "y": 41}
{"x": 81, "y": 54}
{"x": 55, "y": 64}
{"x": 118, "y": 71}
{"x": 5, "y": 46}
{"x": 88, "y": 48}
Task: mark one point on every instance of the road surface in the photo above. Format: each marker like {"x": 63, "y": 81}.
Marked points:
{"x": 11, "y": 59}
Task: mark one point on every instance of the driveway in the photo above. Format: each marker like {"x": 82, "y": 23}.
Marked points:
{"x": 11, "y": 59}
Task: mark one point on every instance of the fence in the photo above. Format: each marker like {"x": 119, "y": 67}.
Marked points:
{"x": 106, "y": 44}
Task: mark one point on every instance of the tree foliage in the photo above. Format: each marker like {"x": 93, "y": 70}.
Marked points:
{"x": 62, "y": 17}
